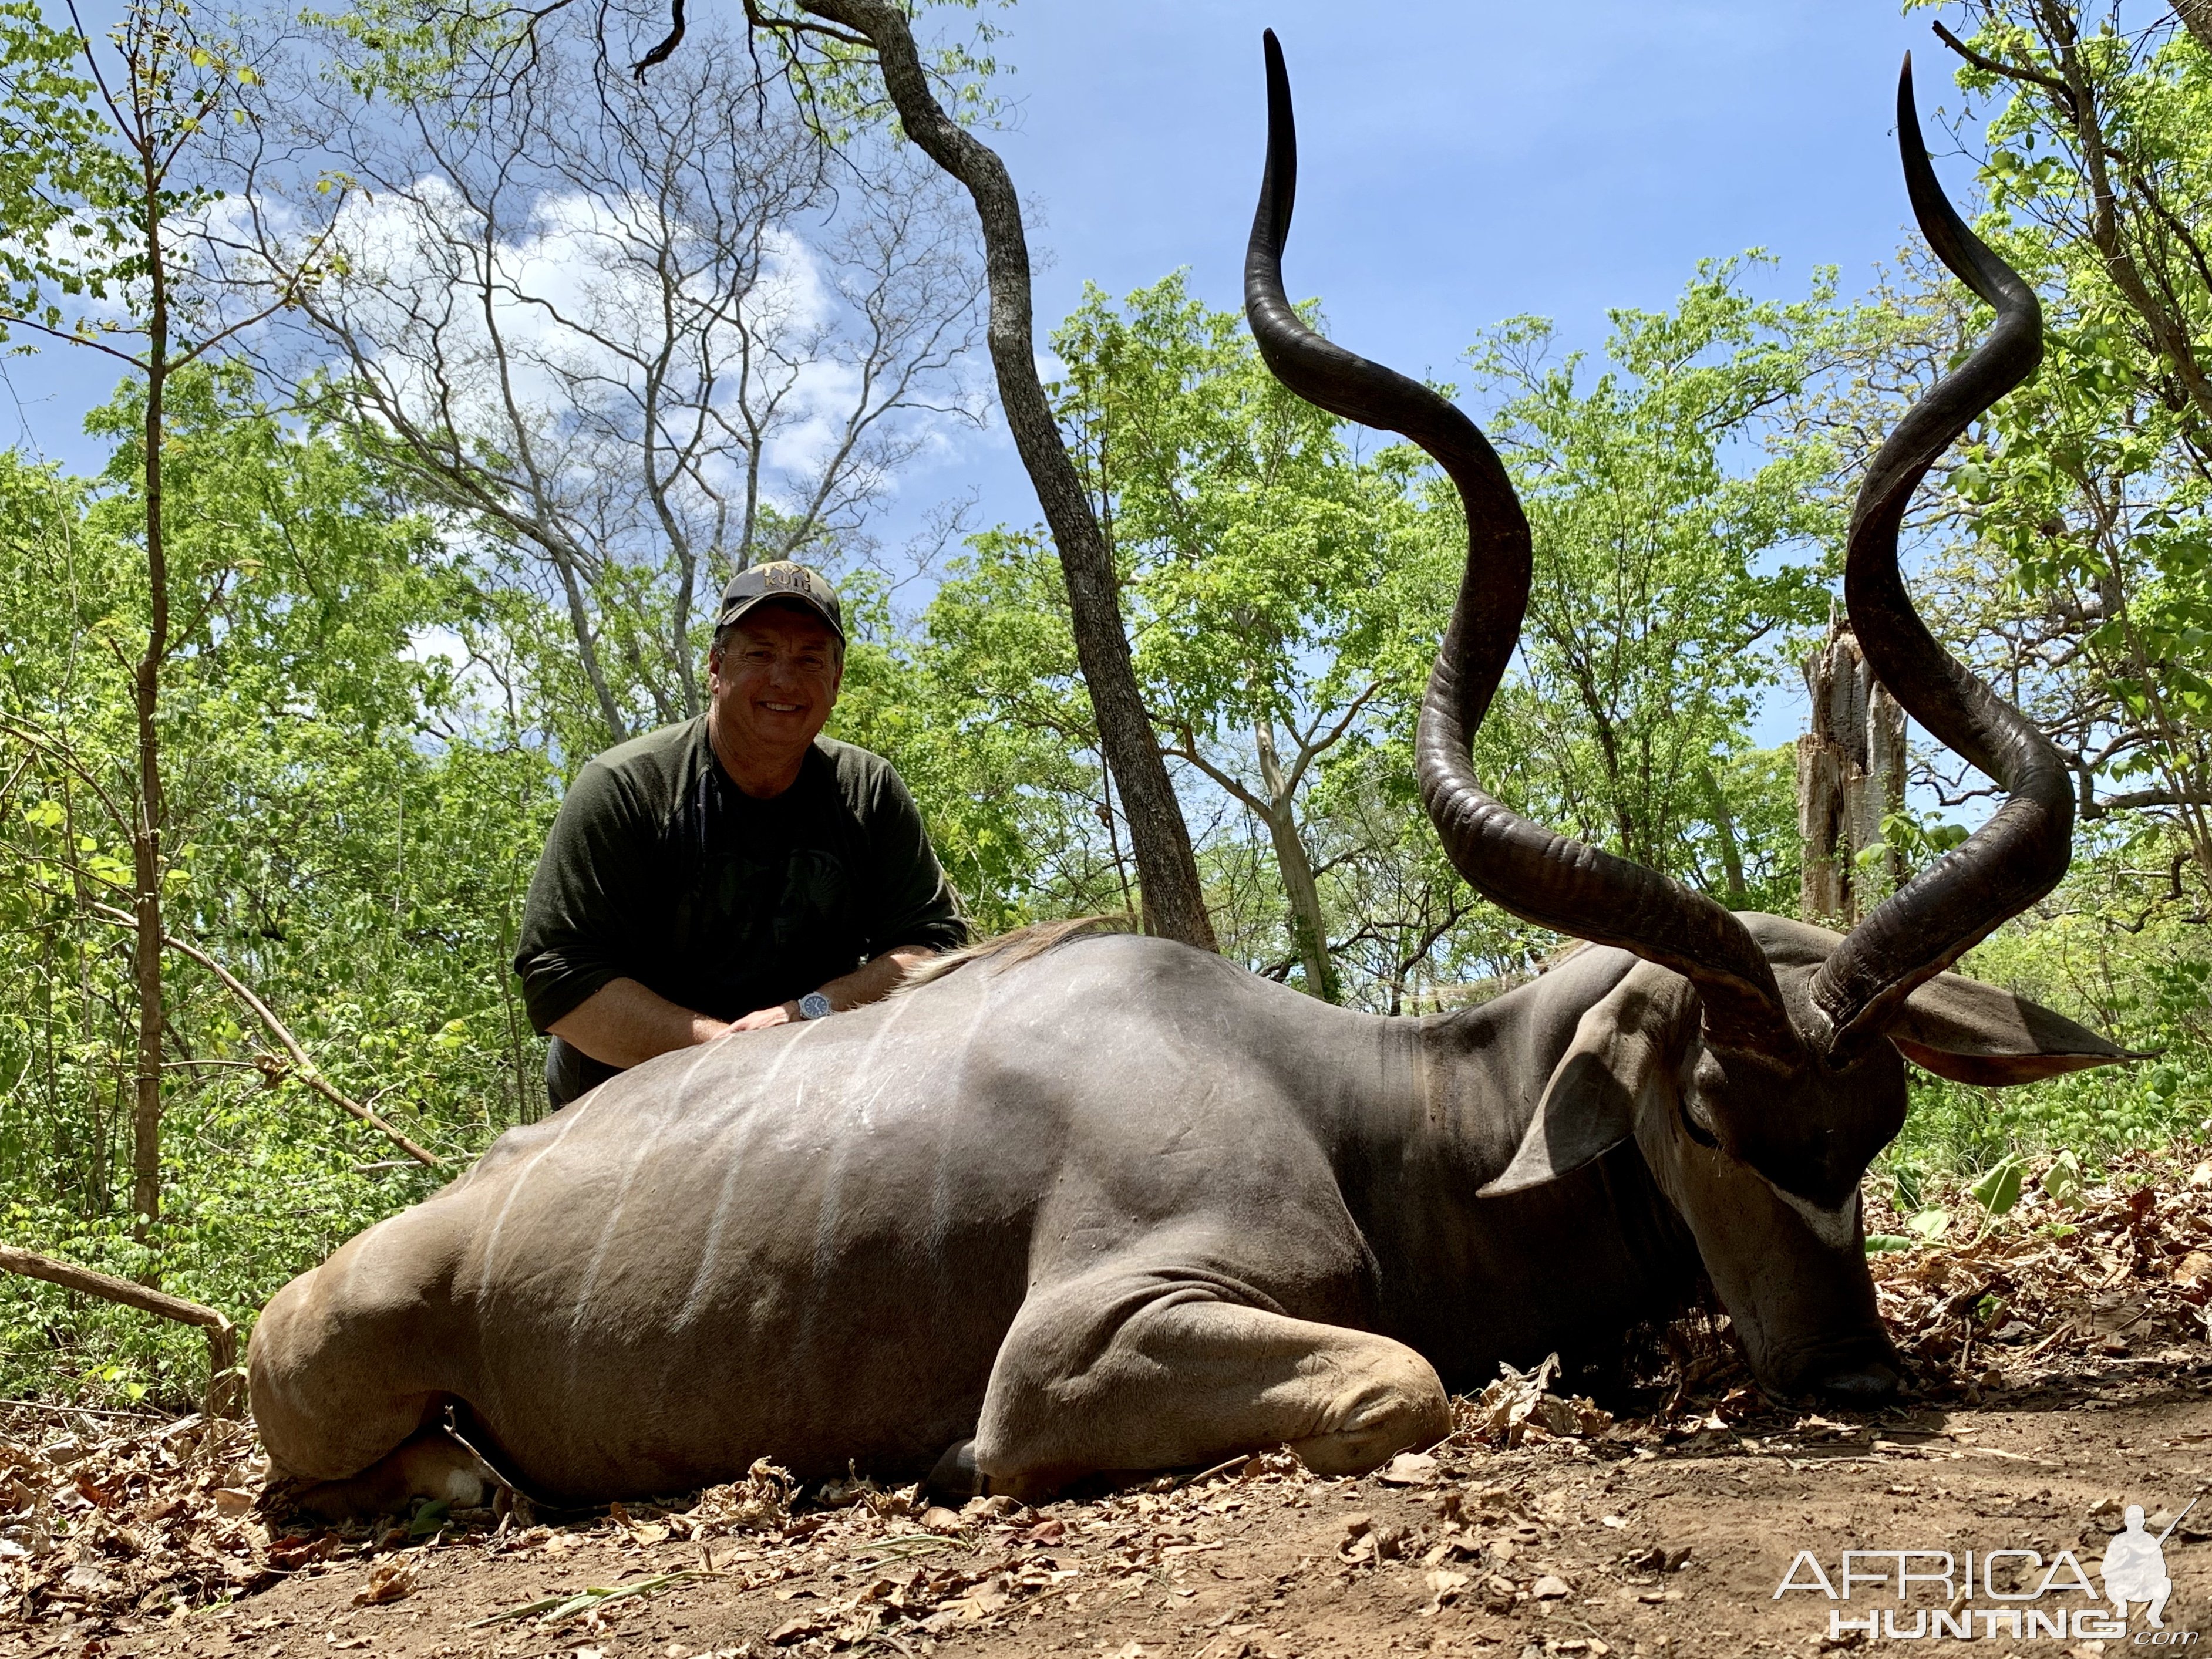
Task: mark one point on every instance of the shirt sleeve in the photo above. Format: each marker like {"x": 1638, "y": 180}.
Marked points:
{"x": 915, "y": 903}
{"x": 578, "y": 922}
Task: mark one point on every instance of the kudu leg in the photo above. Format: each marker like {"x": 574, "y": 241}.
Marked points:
{"x": 431, "y": 1464}
{"x": 1186, "y": 1378}
{"x": 348, "y": 1385}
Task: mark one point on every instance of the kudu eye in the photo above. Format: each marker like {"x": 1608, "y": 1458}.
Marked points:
{"x": 1695, "y": 1087}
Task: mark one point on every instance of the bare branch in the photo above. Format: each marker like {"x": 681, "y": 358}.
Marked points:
{"x": 2050, "y": 83}
{"x": 309, "y": 1073}
{"x": 223, "y": 1336}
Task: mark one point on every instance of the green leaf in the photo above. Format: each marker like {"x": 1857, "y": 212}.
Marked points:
{"x": 429, "y": 1518}
{"x": 1881, "y": 1244}
{"x": 1999, "y": 1190}
{"x": 1931, "y": 1224}
{"x": 2061, "y": 1183}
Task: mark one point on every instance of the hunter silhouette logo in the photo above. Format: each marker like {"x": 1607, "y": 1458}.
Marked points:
{"x": 2135, "y": 1565}
{"x": 2004, "y": 1596}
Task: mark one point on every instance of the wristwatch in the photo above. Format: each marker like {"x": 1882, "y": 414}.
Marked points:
{"x": 814, "y": 1005}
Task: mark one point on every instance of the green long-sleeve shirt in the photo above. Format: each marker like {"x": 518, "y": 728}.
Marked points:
{"x": 661, "y": 870}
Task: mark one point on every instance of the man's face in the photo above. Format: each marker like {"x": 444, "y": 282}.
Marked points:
{"x": 775, "y": 680}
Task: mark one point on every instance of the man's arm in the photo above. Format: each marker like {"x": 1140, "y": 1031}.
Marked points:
{"x": 869, "y": 982}
{"x": 600, "y": 876}
{"x": 624, "y": 1024}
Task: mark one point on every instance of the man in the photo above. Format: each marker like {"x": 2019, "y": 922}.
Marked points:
{"x": 735, "y": 871}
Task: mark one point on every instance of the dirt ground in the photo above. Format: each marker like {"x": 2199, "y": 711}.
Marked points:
{"x": 2062, "y": 1371}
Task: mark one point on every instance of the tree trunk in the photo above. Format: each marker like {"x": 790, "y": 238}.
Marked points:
{"x": 1724, "y": 827}
{"x": 146, "y": 833}
{"x": 2196, "y": 17}
{"x": 1308, "y": 927}
{"x": 1851, "y": 775}
{"x": 1174, "y": 904}
{"x": 587, "y": 649}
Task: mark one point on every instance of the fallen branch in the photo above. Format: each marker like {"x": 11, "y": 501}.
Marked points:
{"x": 221, "y": 1338}
{"x": 309, "y": 1073}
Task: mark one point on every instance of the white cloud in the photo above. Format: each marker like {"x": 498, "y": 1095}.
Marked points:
{"x": 578, "y": 311}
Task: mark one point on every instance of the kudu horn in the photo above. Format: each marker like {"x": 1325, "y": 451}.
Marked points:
{"x": 2020, "y": 853}
{"x": 1541, "y": 877}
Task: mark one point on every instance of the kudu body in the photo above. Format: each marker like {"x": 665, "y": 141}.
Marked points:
{"x": 1118, "y": 1205}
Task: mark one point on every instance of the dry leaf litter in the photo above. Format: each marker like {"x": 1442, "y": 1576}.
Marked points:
{"x": 117, "y": 1524}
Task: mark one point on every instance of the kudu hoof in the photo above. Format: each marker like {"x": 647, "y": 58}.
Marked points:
{"x": 430, "y": 1465}
{"x": 1860, "y": 1384}
{"x": 956, "y": 1479}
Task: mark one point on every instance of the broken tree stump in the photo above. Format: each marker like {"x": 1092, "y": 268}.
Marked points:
{"x": 1851, "y": 775}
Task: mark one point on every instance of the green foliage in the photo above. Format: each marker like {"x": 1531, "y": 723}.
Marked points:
{"x": 2072, "y": 562}
{"x": 2062, "y": 1181}
{"x": 1273, "y": 569}
{"x": 1277, "y": 586}
{"x": 81, "y": 206}
{"x": 1758, "y": 789}
{"x": 1674, "y": 576}
{"x": 2144, "y": 986}
{"x": 1998, "y": 1191}
{"x": 341, "y": 840}
{"x": 985, "y": 716}
{"x": 2086, "y": 498}
{"x": 67, "y": 194}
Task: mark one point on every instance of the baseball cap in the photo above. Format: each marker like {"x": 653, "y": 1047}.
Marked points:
{"x": 783, "y": 579}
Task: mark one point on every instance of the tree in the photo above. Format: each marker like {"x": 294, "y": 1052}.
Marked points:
{"x": 1267, "y": 571}
{"x": 1850, "y": 782}
{"x": 2074, "y": 533}
{"x": 637, "y": 334}
{"x": 1173, "y": 903}
{"x": 1670, "y": 583}
{"x": 984, "y": 705}
{"x": 347, "y": 828}
{"x": 106, "y": 192}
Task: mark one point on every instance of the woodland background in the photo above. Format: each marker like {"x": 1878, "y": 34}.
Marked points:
{"x": 458, "y": 366}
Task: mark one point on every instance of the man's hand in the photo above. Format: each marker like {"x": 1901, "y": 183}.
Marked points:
{"x": 624, "y": 1024}
{"x": 868, "y": 983}
{"x": 761, "y": 1019}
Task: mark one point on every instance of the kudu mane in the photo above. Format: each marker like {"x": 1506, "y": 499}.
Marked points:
{"x": 1010, "y": 949}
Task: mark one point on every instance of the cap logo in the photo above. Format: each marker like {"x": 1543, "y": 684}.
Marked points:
{"x": 789, "y": 577}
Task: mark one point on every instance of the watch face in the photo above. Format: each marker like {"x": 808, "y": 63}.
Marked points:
{"x": 814, "y": 1005}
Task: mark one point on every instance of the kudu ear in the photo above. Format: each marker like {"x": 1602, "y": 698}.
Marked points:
{"x": 1622, "y": 1059}
{"x": 1972, "y": 1033}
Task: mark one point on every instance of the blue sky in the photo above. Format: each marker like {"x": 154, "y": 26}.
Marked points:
{"x": 1469, "y": 161}
{"x": 1462, "y": 162}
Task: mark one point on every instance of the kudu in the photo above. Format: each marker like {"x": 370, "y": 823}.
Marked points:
{"x": 1107, "y": 1203}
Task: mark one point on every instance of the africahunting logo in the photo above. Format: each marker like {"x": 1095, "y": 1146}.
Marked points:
{"x": 1985, "y": 1598}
